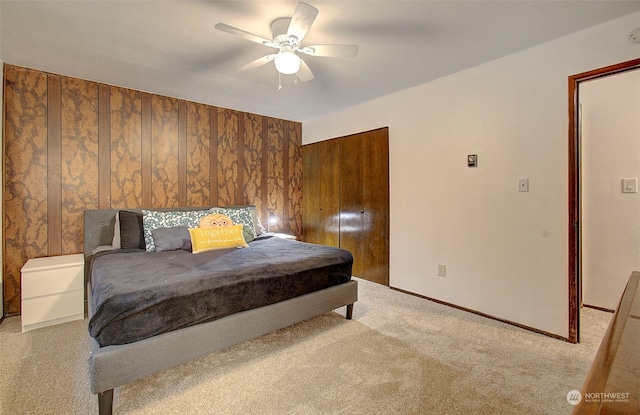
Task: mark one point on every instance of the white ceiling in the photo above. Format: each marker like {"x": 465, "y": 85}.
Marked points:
{"x": 171, "y": 47}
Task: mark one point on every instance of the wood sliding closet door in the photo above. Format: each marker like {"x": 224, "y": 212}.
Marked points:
{"x": 350, "y": 174}
{"x": 321, "y": 209}
{"x": 351, "y": 195}
{"x": 376, "y": 205}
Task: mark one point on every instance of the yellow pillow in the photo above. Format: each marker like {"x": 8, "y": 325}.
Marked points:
{"x": 208, "y": 239}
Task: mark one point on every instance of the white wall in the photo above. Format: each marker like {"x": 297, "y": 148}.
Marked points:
{"x": 506, "y": 252}
{"x": 610, "y": 218}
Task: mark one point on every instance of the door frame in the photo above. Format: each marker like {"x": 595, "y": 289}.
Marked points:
{"x": 575, "y": 270}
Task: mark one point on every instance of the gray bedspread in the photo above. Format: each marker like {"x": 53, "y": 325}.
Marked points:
{"x": 136, "y": 295}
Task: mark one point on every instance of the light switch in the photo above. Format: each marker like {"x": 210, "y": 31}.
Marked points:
{"x": 630, "y": 185}
{"x": 523, "y": 185}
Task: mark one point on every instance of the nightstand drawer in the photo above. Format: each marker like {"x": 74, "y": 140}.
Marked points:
{"x": 53, "y": 307}
{"x": 52, "y": 281}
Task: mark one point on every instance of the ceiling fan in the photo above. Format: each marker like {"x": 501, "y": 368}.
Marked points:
{"x": 288, "y": 33}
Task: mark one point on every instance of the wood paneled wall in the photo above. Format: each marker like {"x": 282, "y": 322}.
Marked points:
{"x": 71, "y": 145}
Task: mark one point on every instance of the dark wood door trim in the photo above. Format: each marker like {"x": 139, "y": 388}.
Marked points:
{"x": 574, "y": 188}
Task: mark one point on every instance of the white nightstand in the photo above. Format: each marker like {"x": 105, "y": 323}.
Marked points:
{"x": 52, "y": 291}
{"x": 284, "y": 236}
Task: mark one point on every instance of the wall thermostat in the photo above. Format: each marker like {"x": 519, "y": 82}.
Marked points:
{"x": 472, "y": 160}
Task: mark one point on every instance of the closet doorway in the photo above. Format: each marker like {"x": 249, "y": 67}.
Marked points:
{"x": 577, "y": 178}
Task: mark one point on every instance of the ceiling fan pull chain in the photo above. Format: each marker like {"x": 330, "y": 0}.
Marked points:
{"x": 279, "y": 81}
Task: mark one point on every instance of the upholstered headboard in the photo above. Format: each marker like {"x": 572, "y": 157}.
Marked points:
{"x": 98, "y": 229}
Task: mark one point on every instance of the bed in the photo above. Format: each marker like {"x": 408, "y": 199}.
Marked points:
{"x": 279, "y": 300}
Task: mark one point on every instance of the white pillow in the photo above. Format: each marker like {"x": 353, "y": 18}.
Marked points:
{"x": 115, "y": 244}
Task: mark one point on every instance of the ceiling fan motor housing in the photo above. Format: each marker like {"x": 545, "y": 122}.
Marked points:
{"x": 279, "y": 28}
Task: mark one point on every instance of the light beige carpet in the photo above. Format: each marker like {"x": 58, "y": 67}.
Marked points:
{"x": 400, "y": 355}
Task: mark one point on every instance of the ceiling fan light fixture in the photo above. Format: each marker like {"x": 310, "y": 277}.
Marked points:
{"x": 287, "y": 62}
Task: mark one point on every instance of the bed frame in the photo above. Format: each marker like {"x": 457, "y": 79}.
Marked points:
{"x": 113, "y": 366}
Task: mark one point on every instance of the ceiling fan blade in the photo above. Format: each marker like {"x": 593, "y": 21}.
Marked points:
{"x": 244, "y": 34}
{"x": 301, "y": 21}
{"x": 258, "y": 62}
{"x": 304, "y": 74}
{"x": 331, "y": 51}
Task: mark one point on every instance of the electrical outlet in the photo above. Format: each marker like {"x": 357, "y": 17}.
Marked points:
{"x": 523, "y": 185}
{"x": 442, "y": 270}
